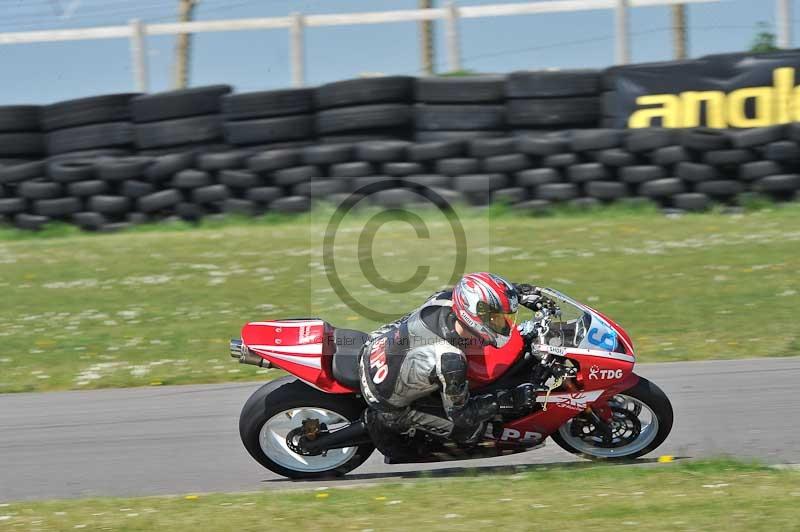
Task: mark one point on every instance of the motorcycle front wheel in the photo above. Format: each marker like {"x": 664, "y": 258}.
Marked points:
{"x": 641, "y": 421}
{"x": 278, "y": 408}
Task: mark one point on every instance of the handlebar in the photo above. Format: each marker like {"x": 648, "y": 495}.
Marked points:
{"x": 550, "y": 370}
{"x": 545, "y": 309}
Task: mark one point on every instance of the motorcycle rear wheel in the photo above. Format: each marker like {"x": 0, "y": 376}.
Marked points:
{"x": 280, "y": 406}
{"x": 651, "y": 429}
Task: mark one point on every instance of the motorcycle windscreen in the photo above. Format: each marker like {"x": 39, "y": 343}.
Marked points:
{"x": 579, "y": 327}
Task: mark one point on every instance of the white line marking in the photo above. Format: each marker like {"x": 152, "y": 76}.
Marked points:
{"x": 308, "y": 349}
{"x": 287, "y": 323}
{"x": 310, "y": 362}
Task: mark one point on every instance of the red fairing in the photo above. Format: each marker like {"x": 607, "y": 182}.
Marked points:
{"x": 601, "y": 376}
{"x": 297, "y": 346}
{"x": 489, "y": 363}
{"x": 602, "y": 370}
{"x": 536, "y": 427}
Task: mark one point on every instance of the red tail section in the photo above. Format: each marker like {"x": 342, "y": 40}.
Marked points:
{"x": 301, "y": 347}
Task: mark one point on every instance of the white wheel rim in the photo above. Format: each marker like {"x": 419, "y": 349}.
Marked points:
{"x": 272, "y": 439}
{"x": 648, "y": 432}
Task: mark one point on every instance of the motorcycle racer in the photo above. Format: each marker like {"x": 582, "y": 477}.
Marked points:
{"x": 426, "y": 351}
{"x": 403, "y": 390}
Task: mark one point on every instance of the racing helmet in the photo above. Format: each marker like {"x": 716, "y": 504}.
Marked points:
{"x": 486, "y": 304}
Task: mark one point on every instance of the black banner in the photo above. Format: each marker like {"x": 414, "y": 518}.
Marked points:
{"x": 722, "y": 91}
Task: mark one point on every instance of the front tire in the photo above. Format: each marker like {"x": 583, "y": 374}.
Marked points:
{"x": 642, "y": 421}
{"x": 280, "y": 406}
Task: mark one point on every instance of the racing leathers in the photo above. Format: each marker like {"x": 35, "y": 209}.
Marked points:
{"x": 419, "y": 355}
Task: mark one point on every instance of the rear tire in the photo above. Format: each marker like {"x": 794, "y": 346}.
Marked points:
{"x": 288, "y": 393}
{"x": 653, "y": 398}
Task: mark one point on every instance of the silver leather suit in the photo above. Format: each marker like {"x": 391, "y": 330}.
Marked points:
{"x": 414, "y": 357}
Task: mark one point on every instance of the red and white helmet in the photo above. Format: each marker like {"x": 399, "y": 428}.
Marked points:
{"x": 486, "y": 304}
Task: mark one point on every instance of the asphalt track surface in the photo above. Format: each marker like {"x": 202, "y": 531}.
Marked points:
{"x": 184, "y": 439}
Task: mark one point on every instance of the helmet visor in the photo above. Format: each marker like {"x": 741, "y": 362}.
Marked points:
{"x": 499, "y": 322}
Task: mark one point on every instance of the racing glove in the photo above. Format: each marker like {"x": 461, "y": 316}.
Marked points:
{"x": 529, "y": 295}
{"x": 526, "y": 289}
{"x": 527, "y": 329}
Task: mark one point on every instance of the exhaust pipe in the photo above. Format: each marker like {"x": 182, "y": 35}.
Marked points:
{"x": 245, "y": 356}
{"x": 236, "y": 347}
{"x": 353, "y": 434}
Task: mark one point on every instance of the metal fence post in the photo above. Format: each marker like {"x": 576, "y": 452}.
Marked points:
{"x": 784, "y": 23}
{"x": 453, "y": 38}
{"x": 622, "y": 33}
{"x": 297, "y": 50}
{"x": 680, "y": 33}
{"x": 138, "y": 55}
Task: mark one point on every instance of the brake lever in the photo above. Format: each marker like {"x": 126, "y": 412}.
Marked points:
{"x": 556, "y": 383}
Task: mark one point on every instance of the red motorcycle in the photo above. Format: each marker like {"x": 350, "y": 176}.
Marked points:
{"x": 591, "y": 403}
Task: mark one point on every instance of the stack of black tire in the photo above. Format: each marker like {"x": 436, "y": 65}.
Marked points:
{"x": 332, "y": 172}
{"x": 485, "y": 169}
{"x": 530, "y": 140}
{"x": 276, "y": 119}
{"x": 86, "y": 127}
{"x": 99, "y": 125}
{"x": 365, "y": 109}
{"x": 20, "y": 136}
{"x": 687, "y": 170}
{"x": 374, "y": 168}
{"x": 20, "y": 142}
{"x": 239, "y": 182}
{"x": 699, "y": 166}
{"x": 180, "y": 120}
{"x": 453, "y": 108}
{"x": 553, "y": 100}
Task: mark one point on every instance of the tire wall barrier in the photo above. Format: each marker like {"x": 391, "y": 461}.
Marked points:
{"x": 531, "y": 139}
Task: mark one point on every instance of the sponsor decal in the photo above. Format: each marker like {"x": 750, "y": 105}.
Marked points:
{"x": 607, "y": 340}
{"x": 365, "y": 389}
{"x": 571, "y": 401}
{"x": 467, "y": 319}
{"x": 604, "y": 374}
{"x": 572, "y": 351}
{"x": 552, "y": 349}
{"x": 527, "y": 436}
{"x": 377, "y": 359}
{"x": 307, "y": 336}
{"x": 776, "y": 104}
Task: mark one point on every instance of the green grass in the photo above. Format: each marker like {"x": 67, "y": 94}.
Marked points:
{"x": 158, "y": 304}
{"x": 703, "y": 496}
